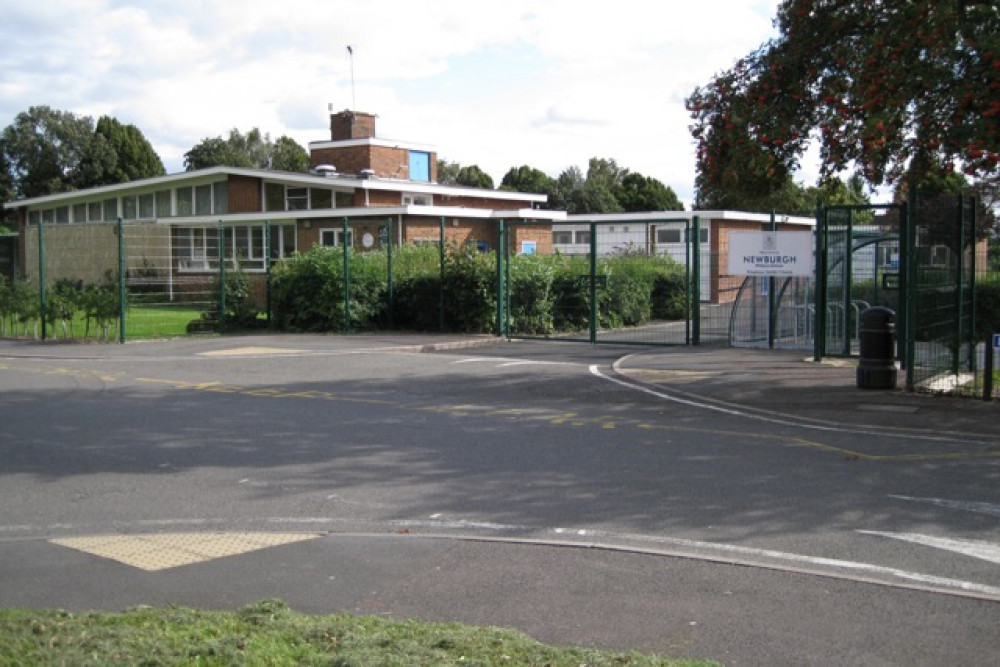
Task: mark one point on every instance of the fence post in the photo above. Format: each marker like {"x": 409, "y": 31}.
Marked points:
{"x": 41, "y": 277}
{"x": 441, "y": 271}
{"x": 696, "y": 279}
{"x": 501, "y": 285}
{"x": 389, "y": 277}
{"x": 122, "y": 292}
{"x": 770, "y": 295}
{"x": 988, "y": 371}
{"x": 593, "y": 283}
{"x": 908, "y": 277}
{"x": 267, "y": 271}
{"x": 222, "y": 277}
{"x": 819, "y": 286}
{"x": 347, "y": 280}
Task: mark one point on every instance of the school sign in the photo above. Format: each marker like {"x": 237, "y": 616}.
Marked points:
{"x": 783, "y": 254}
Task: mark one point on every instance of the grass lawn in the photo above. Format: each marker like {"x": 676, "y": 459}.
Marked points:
{"x": 269, "y": 633}
{"x": 159, "y": 321}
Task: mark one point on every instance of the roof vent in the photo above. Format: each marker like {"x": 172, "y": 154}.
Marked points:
{"x": 367, "y": 173}
{"x": 325, "y": 170}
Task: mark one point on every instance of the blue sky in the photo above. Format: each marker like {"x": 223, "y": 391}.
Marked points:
{"x": 548, "y": 83}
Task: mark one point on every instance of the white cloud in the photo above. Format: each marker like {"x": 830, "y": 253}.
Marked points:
{"x": 549, "y": 84}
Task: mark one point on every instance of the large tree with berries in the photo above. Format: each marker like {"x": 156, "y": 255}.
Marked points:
{"x": 887, "y": 87}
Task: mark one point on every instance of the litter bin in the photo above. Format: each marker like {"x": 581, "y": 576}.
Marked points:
{"x": 877, "y": 341}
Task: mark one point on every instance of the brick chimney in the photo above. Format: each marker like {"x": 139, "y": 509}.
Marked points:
{"x": 352, "y": 125}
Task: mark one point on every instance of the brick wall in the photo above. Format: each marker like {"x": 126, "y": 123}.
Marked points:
{"x": 352, "y": 125}
{"x": 540, "y": 234}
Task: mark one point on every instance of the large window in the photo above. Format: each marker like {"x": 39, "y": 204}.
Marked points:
{"x": 562, "y": 238}
{"x": 198, "y": 248}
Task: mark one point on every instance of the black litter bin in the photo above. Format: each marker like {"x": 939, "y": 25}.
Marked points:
{"x": 877, "y": 340}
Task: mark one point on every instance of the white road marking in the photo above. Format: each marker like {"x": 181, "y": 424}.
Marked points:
{"x": 778, "y": 418}
{"x": 976, "y": 548}
{"x": 966, "y": 505}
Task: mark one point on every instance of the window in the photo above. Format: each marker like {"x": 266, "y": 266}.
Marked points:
{"x": 203, "y": 200}
{"x": 282, "y": 241}
{"x": 185, "y": 202}
{"x": 48, "y": 216}
{"x": 320, "y": 198}
{"x": 34, "y": 217}
{"x": 481, "y": 246}
{"x": 583, "y": 237}
{"x": 417, "y": 200}
{"x": 220, "y": 198}
{"x": 562, "y": 238}
{"x": 193, "y": 248}
{"x": 94, "y": 213}
{"x": 939, "y": 255}
{"x": 274, "y": 197}
{"x": 146, "y": 204}
{"x": 345, "y": 199}
{"x": 334, "y": 238}
{"x": 296, "y": 199}
{"x": 128, "y": 208}
{"x": 668, "y": 235}
{"x": 110, "y": 209}
{"x": 245, "y": 245}
{"x": 163, "y": 207}
{"x": 79, "y": 213}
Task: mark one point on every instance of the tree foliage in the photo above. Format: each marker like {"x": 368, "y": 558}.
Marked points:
{"x": 888, "y": 85}
{"x": 253, "y": 150}
{"x": 608, "y": 188}
{"x": 528, "y": 179}
{"x": 135, "y": 157}
{"x": 452, "y": 173}
{"x": 47, "y": 151}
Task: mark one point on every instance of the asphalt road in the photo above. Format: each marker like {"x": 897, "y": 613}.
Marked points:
{"x": 531, "y": 470}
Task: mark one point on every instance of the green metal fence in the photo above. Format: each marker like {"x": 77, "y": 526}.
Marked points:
{"x": 615, "y": 281}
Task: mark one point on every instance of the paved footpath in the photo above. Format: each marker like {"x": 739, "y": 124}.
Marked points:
{"x": 571, "y": 593}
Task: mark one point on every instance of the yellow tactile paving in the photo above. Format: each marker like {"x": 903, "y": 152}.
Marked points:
{"x": 249, "y": 351}
{"x": 162, "y": 551}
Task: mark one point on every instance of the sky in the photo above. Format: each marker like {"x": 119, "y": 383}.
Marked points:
{"x": 547, "y": 83}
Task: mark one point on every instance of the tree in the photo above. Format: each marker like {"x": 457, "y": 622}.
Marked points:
{"x": 474, "y": 177}
{"x": 135, "y": 157}
{"x": 528, "y": 179}
{"x": 640, "y": 193}
{"x": 887, "y": 85}
{"x": 250, "y": 151}
{"x": 447, "y": 172}
{"x": 452, "y": 173}
{"x": 49, "y": 151}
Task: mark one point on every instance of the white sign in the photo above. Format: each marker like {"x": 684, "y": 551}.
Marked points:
{"x": 771, "y": 254}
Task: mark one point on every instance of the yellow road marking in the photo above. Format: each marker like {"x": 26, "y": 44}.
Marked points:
{"x": 164, "y": 551}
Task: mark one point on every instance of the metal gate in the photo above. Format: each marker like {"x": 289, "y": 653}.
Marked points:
{"x": 919, "y": 260}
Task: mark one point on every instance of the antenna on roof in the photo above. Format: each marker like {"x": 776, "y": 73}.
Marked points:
{"x": 350, "y": 54}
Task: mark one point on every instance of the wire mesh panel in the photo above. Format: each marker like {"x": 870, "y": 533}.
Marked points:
{"x": 172, "y": 278}
{"x": 608, "y": 282}
{"x": 943, "y": 345}
{"x": 774, "y": 312}
{"x": 71, "y": 290}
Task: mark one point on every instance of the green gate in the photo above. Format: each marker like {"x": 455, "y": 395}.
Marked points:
{"x": 919, "y": 260}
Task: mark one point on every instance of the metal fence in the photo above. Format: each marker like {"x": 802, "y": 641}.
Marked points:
{"x": 615, "y": 281}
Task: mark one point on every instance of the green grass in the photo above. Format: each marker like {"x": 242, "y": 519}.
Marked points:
{"x": 269, "y": 633}
{"x": 143, "y": 322}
